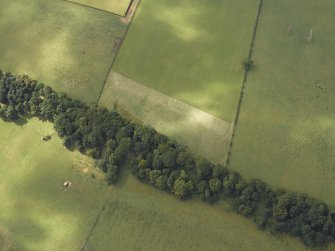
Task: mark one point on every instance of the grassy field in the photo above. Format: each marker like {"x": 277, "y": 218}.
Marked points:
{"x": 118, "y": 7}
{"x": 36, "y": 213}
{"x": 186, "y": 124}
{"x": 286, "y": 131}
{"x": 190, "y": 50}
{"x": 68, "y": 46}
{"x": 139, "y": 217}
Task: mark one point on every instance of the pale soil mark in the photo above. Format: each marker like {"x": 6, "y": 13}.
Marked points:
{"x": 203, "y": 133}
{"x": 130, "y": 12}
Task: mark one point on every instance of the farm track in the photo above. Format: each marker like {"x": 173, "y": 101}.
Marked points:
{"x": 133, "y": 7}
{"x": 259, "y": 9}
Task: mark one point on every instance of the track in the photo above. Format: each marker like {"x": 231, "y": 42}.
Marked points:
{"x": 130, "y": 13}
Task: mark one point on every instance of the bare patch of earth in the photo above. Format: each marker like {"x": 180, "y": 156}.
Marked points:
{"x": 130, "y": 12}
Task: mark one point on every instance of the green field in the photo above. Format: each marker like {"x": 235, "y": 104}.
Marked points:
{"x": 179, "y": 70}
{"x": 118, "y": 7}
{"x": 139, "y": 217}
{"x": 180, "y": 121}
{"x": 286, "y": 131}
{"x": 66, "y": 45}
{"x": 36, "y": 212}
{"x": 190, "y": 50}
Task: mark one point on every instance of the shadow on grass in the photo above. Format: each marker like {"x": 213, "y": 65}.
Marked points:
{"x": 19, "y": 122}
{"x": 38, "y": 211}
{"x": 72, "y": 53}
{"x": 202, "y": 44}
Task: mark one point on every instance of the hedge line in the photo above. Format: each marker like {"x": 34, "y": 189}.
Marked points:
{"x": 161, "y": 162}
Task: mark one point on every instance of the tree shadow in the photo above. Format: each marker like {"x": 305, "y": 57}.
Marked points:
{"x": 21, "y": 121}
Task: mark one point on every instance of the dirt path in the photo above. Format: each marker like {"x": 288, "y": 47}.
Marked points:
{"x": 130, "y": 13}
{"x": 126, "y": 20}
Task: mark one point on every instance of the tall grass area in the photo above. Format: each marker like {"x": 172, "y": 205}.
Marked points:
{"x": 190, "y": 50}
{"x": 66, "y": 45}
{"x": 286, "y": 131}
{"x": 138, "y": 217}
{"x": 37, "y": 213}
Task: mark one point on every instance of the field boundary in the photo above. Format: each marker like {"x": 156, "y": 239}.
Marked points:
{"x": 135, "y": 3}
{"x": 129, "y": 7}
{"x": 245, "y": 77}
{"x": 93, "y": 227}
{"x": 106, "y": 11}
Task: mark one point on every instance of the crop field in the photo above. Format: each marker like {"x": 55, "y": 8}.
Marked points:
{"x": 286, "y": 131}
{"x": 36, "y": 212}
{"x": 66, "y": 45}
{"x": 118, "y": 7}
{"x": 138, "y": 217}
{"x": 190, "y": 50}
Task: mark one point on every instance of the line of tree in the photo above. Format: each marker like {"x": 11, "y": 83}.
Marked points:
{"x": 155, "y": 159}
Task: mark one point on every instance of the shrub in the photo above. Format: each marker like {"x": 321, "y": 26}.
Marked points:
{"x": 247, "y": 64}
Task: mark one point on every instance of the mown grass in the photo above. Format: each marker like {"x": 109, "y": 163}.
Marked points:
{"x": 190, "y": 50}
{"x": 286, "y": 131}
{"x": 118, "y": 7}
{"x": 36, "y": 213}
{"x": 180, "y": 121}
{"x": 68, "y": 46}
